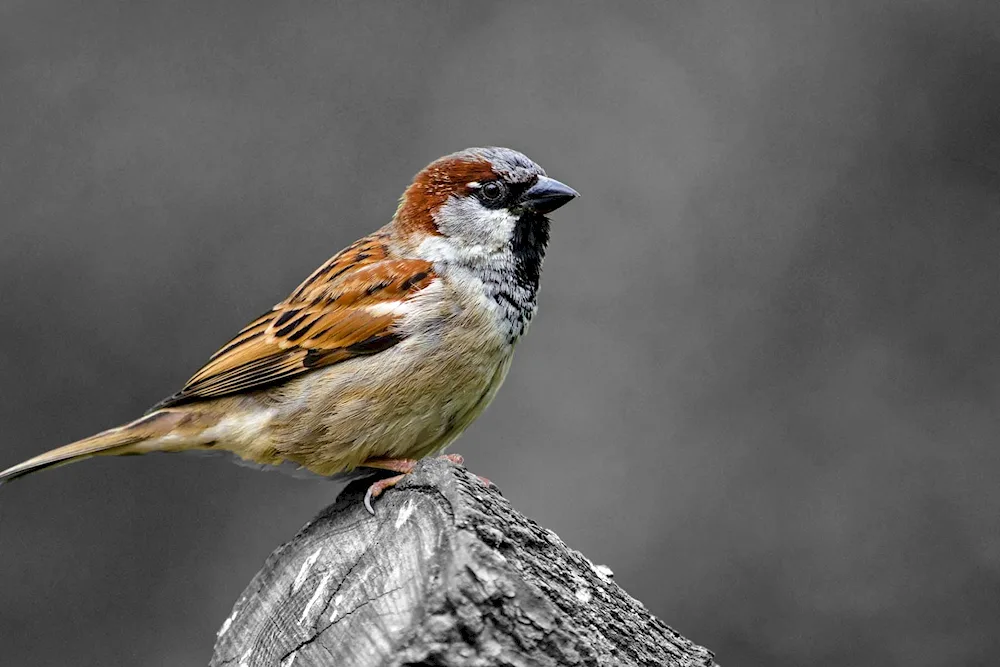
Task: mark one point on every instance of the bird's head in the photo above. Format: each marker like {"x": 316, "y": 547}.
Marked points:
{"x": 481, "y": 201}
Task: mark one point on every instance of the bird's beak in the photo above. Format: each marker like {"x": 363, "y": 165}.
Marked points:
{"x": 548, "y": 194}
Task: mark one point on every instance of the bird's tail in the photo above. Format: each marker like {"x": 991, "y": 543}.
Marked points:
{"x": 161, "y": 431}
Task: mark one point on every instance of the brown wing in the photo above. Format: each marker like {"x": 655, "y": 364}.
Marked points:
{"x": 347, "y": 308}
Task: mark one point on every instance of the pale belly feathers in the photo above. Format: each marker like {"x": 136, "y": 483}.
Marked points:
{"x": 409, "y": 401}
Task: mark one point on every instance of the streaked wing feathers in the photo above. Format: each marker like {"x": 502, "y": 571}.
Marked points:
{"x": 347, "y": 308}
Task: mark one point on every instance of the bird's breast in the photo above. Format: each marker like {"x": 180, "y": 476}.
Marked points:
{"x": 492, "y": 302}
{"x": 407, "y": 401}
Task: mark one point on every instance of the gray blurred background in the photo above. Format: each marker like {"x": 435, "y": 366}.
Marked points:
{"x": 762, "y": 385}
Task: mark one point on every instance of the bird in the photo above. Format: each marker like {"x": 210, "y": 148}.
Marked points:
{"x": 387, "y": 352}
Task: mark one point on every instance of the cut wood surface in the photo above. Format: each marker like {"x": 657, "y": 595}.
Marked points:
{"x": 446, "y": 573}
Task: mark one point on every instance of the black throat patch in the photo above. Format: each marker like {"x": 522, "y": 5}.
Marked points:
{"x": 516, "y": 294}
{"x": 531, "y": 236}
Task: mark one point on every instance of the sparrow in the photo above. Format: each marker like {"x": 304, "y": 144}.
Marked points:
{"x": 387, "y": 352}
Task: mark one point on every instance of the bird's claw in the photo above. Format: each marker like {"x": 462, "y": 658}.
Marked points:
{"x": 377, "y": 488}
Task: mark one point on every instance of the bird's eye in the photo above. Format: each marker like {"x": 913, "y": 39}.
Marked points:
{"x": 493, "y": 191}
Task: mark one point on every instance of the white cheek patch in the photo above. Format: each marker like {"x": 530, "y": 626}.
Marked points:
{"x": 500, "y": 220}
{"x": 469, "y": 224}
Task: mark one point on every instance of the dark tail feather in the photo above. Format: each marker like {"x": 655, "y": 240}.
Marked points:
{"x": 113, "y": 442}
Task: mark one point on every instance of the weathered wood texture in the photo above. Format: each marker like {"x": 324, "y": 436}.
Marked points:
{"x": 445, "y": 574}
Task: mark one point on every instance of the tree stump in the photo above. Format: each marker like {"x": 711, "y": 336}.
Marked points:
{"x": 445, "y": 574}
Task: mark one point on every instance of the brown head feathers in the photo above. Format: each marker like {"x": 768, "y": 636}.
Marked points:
{"x": 451, "y": 174}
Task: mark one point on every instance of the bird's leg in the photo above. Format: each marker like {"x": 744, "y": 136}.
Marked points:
{"x": 404, "y": 467}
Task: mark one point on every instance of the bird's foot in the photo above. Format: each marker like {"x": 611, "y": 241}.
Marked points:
{"x": 404, "y": 467}
{"x": 376, "y": 489}
{"x": 458, "y": 460}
